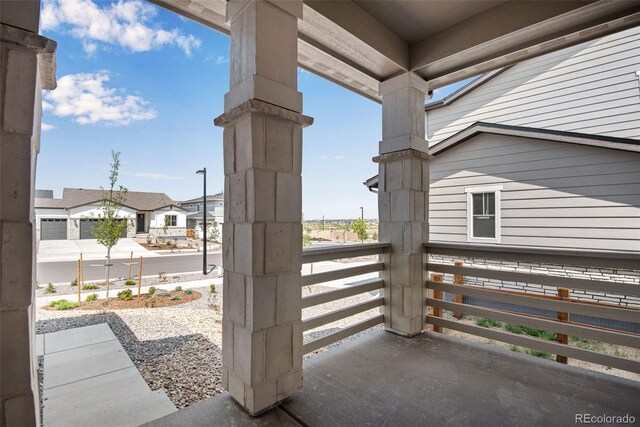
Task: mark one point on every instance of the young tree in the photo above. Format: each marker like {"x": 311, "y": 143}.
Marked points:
{"x": 110, "y": 227}
{"x": 360, "y": 227}
{"x": 214, "y": 232}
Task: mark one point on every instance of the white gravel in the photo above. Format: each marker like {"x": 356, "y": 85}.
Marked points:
{"x": 179, "y": 348}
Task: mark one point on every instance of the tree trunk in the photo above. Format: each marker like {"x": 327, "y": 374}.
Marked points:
{"x": 107, "y": 270}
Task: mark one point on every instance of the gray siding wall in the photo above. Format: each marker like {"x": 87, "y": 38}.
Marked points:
{"x": 554, "y": 194}
{"x": 591, "y": 88}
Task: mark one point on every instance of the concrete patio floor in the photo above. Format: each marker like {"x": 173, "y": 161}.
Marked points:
{"x": 429, "y": 380}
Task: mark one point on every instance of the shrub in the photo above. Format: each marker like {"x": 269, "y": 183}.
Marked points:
{"x": 188, "y": 292}
{"x": 50, "y": 289}
{"x": 125, "y": 295}
{"x": 63, "y": 304}
{"x": 487, "y": 323}
{"x": 90, "y": 287}
{"x": 91, "y": 297}
{"x": 212, "y": 288}
{"x": 74, "y": 283}
{"x": 176, "y": 298}
{"x": 152, "y": 290}
{"x": 130, "y": 282}
{"x": 178, "y": 288}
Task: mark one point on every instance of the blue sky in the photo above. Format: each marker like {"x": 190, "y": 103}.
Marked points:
{"x": 138, "y": 79}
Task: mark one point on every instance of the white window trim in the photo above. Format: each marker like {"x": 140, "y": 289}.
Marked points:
{"x": 497, "y": 189}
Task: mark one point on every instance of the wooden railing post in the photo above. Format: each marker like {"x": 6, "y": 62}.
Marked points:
{"x": 78, "y": 282}
{"x": 458, "y": 279}
{"x": 436, "y": 294}
{"x": 563, "y": 293}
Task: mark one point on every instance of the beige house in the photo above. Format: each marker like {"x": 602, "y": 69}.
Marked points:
{"x": 393, "y": 52}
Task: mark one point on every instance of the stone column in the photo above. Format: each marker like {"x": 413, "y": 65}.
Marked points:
{"x": 403, "y": 201}
{"x": 27, "y": 64}
{"x": 262, "y": 231}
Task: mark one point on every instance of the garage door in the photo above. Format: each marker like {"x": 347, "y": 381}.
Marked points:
{"x": 86, "y": 225}
{"x": 53, "y": 229}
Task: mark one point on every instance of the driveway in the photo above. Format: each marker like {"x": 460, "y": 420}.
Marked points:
{"x": 69, "y": 250}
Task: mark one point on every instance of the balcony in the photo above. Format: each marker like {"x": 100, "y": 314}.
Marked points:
{"x": 381, "y": 378}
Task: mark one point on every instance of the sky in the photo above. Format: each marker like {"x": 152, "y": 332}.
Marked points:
{"x": 143, "y": 81}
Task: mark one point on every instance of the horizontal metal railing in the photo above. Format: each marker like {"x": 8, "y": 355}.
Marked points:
{"x": 348, "y": 290}
{"x": 564, "y": 306}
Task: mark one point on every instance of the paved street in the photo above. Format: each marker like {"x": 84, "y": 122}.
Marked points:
{"x": 65, "y": 271}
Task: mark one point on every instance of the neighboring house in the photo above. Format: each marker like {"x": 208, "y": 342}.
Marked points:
{"x": 73, "y": 216}
{"x": 215, "y": 211}
{"x": 543, "y": 154}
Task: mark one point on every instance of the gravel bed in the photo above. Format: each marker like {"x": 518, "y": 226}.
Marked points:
{"x": 117, "y": 283}
{"x": 174, "y": 348}
{"x": 178, "y": 348}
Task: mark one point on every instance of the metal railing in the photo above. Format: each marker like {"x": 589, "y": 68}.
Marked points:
{"x": 519, "y": 308}
{"x": 347, "y": 290}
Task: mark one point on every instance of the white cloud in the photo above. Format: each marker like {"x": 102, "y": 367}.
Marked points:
{"x": 325, "y": 157}
{"x": 338, "y": 157}
{"x": 46, "y": 126}
{"x": 86, "y": 100}
{"x": 89, "y": 48}
{"x": 125, "y": 23}
{"x": 155, "y": 175}
{"x": 221, "y": 60}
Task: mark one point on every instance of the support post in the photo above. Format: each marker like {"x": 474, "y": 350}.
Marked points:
{"x": 139, "y": 277}
{"x": 458, "y": 279}
{"x": 78, "y": 282}
{"x": 437, "y": 294}
{"x": 28, "y": 65}
{"x": 563, "y": 293}
{"x": 262, "y": 230}
{"x": 403, "y": 202}
{"x": 130, "y": 264}
{"x": 81, "y": 278}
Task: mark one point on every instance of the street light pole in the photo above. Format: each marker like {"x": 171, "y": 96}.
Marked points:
{"x": 203, "y": 172}
{"x": 361, "y": 212}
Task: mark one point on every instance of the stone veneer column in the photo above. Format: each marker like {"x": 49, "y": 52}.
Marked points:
{"x": 262, "y": 231}
{"x": 403, "y": 201}
{"x": 28, "y": 62}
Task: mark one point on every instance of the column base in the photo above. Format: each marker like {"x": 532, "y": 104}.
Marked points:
{"x": 402, "y": 333}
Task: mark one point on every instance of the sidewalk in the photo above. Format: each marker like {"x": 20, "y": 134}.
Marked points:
{"x": 90, "y": 380}
{"x": 69, "y": 250}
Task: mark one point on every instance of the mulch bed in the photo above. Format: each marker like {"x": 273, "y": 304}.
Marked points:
{"x": 146, "y": 301}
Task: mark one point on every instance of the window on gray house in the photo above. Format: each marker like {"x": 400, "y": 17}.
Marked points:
{"x": 172, "y": 220}
{"x": 484, "y": 215}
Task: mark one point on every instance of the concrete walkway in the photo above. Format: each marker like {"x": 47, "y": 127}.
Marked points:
{"x": 89, "y": 380}
{"x": 69, "y": 250}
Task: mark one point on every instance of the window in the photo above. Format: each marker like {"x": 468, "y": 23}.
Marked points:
{"x": 483, "y": 214}
{"x": 198, "y": 208}
{"x": 172, "y": 220}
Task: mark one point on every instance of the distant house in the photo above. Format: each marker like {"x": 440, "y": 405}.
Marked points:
{"x": 544, "y": 153}
{"x": 215, "y": 211}
{"x": 74, "y": 215}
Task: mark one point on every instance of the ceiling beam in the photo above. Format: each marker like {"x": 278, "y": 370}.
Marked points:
{"x": 515, "y": 31}
{"x": 351, "y": 26}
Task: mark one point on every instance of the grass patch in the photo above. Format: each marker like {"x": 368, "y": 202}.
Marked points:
{"x": 212, "y": 288}
{"x": 176, "y": 298}
{"x": 586, "y": 344}
{"x": 178, "y": 288}
{"x": 90, "y": 287}
{"x": 74, "y": 283}
{"x": 487, "y": 323}
{"x": 538, "y": 353}
{"x": 533, "y": 332}
{"x": 63, "y": 304}
{"x": 50, "y": 289}
{"x": 91, "y": 297}
{"x": 188, "y": 292}
{"x": 152, "y": 290}
{"x": 130, "y": 282}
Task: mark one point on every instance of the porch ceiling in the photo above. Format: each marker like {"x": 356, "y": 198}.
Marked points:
{"x": 359, "y": 43}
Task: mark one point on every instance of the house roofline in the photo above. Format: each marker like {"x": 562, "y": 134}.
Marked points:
{"x": 469, "y": 87}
